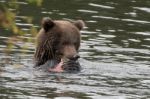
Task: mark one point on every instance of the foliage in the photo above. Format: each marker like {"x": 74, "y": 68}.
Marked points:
{"x": 8, "y": 15}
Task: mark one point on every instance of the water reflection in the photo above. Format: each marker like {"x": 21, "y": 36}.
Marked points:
{"x": 115, "y": 50}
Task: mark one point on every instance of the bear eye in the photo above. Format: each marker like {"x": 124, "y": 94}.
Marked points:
{"x": 75, "y": 43}
{"x": 65, "y": 43}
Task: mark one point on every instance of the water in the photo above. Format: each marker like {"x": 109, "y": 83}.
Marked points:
{"x": 115, "y": 51}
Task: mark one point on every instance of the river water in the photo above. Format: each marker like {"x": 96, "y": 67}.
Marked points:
{"x": 115, "y": 51}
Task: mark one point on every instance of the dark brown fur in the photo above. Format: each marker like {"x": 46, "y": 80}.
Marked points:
{"x": 57, "y": 39}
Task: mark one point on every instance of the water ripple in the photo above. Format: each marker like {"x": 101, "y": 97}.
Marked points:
{"x": 101, "y": 6}
{"x": 143, "y": 9}
{"x": 126, "y": 20}
{"x": 87, "y": 11}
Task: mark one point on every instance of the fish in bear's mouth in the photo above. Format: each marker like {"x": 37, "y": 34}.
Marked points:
{"x": 64, "y": 65}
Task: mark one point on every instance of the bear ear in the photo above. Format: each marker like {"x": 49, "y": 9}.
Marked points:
{"x": 79, "y": 24}
{"x": 47, "y": 23}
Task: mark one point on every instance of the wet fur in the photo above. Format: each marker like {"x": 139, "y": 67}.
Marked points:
{"x": 52, "y": 36}
{"x": 45, "y": 49}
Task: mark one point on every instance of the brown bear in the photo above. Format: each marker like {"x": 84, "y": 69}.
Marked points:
{"x": 58, "y": 41}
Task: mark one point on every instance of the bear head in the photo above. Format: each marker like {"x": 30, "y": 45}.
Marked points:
{"x": 58, "y": 40}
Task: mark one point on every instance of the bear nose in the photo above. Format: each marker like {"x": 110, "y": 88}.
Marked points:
{"x": 75, "y": 57}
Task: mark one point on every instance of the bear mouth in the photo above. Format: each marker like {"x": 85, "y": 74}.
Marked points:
{"x": 66, "y": 65}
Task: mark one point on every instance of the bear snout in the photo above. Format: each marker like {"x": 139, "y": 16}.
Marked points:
{"x": 74, "y": 58}
{"x": 69, "y": 52}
